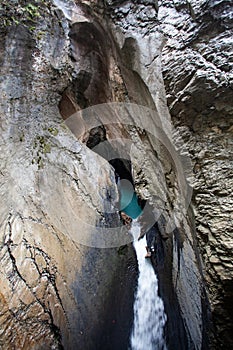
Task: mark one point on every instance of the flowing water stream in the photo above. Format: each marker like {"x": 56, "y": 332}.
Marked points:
{"x": 149, "y": 315}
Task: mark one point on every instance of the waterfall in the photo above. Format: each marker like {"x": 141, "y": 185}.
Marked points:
{"x": 149, "y": 315}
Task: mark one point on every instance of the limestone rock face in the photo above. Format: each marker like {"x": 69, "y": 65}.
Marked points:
{"x": 59, "y": 289}
{"x": 56, "y": 288}
{"x": 197, "y": 69}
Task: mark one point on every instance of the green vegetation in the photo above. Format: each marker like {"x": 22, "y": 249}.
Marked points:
{"x": 31, "y": 11}
{"x": 40, "y": 34}
{"x": 25, "y": 12}
{"x": 53, "y": 131}
{"x": 41, "y": 146}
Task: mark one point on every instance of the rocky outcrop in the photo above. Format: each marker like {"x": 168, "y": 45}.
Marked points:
{"x": 53, "y": 278}
{"x": 197, "y": 61}
{"x": 59, "y": 59}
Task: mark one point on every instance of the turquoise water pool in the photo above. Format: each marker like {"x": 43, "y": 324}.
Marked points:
{"x": 129, "y": 199}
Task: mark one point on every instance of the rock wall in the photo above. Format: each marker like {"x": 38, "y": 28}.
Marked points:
{"x": 59, "y": 58}
{"x": 54, "y": 191}
{"x": 197, "y": 69}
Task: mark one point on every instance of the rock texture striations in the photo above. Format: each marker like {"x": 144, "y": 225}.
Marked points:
{"x": 59, "y": 58}
{"x": 55, "y": 292}
{"x": 198, "y": 62}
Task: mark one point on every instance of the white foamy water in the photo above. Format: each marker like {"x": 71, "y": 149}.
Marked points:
{"x": 149, "y": 315}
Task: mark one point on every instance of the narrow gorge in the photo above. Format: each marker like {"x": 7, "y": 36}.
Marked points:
{"x": 116, "y": 144}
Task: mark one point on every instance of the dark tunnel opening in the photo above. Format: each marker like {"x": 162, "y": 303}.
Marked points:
{"x": 130, "y": 202}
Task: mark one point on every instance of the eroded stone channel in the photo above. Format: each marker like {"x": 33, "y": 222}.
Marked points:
{"x": 60, "y": 286}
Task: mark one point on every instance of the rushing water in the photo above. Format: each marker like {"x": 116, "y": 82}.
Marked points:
{"x": 149, "y": 315}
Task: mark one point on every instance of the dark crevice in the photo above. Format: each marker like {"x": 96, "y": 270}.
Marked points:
{"x": 122, "y": 168}
{"x": 176, "y": 334}
{"x": 96, "y": 136}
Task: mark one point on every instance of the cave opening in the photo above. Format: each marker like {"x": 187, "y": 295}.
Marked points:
{"x": 130, "y": 203}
